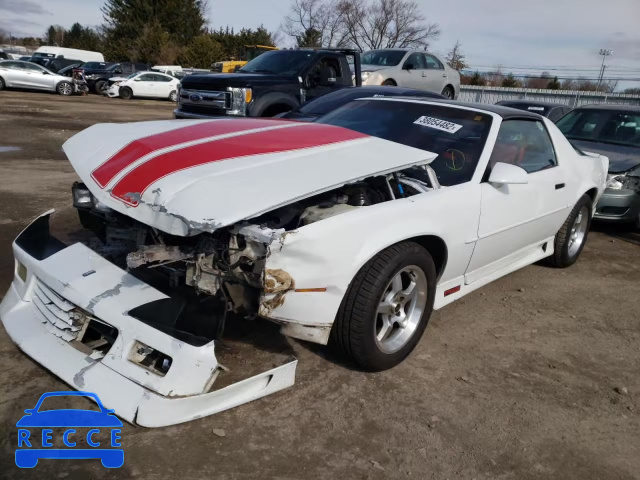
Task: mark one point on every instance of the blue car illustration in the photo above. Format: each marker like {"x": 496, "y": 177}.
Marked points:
{"x": 29, "y": 454}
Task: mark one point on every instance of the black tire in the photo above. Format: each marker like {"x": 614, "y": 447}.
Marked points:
{"x": 65, "y": 88}
{"x": 173, "y": 96}
{"x": 448, "y": 92}
{"x": 389, "y": 83}
{"x": 562, "y": 256}
{"x": 354, "y": 329}
{"x": 100, "y": 86}
{"x": 2, "y": 85}
{"x": 126, "y": 93}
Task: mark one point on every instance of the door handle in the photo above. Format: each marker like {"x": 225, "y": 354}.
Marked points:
{"x": 559, "y": 186}
{"x": 444, "y": 75}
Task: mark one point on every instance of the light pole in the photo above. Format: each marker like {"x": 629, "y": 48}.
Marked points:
{"x": 605, "y": 53}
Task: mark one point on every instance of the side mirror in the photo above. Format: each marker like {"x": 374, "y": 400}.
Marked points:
{"x": 507, "y": 174}
{"x": 408, "y": 66}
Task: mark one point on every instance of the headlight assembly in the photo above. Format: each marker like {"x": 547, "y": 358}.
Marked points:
{"x": 615, "y": 181}
{"x": 240, "y": 98}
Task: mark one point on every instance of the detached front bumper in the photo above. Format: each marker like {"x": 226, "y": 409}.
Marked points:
{"x": 55, "y": 284}
{"x": 619, "y": 206}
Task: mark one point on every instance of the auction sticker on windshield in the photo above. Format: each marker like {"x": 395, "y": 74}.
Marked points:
{"x": 438, "y": 124}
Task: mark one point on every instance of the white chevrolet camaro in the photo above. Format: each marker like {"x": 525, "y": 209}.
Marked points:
{"x": 349, "y": 230}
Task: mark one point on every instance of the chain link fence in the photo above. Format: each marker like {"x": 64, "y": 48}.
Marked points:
{"x": 573, "y": 98}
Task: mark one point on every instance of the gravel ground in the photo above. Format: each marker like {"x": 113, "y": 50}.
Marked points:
{"x": 515, "y": 381}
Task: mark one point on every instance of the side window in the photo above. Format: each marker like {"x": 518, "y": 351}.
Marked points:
{"x": 433, "y": 63}
{"x": 524, "y": 143}
{"x": 32, "y": 67}
{"x": 161, "y": 78}
{"x": 328, "y": 67}
{"x": 147, "y": 78}
{"x": 141, "y": 67}
{"x": 12, "y": 65}
{"x": 416, "y": 60}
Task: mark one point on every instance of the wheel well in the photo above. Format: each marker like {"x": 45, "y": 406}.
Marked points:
{"x": 592, "y": 194}
{"x": 390, "y": 80}
{"x": 436, "y": 247}
{"x": 275, "y": 109}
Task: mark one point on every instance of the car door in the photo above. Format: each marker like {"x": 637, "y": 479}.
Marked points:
{"x": 413, "y": 73}
{"x": 143, "y": 85}
{"x": 436, "y": 75}
{"x": 163, "y": 85}
{"x": 518, "y": 220}
{"x": 38, "y": 77}
{"x": 14, "y": 73}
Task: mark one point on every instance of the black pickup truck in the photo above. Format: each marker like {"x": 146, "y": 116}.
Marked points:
{"x": 273, "y": 83}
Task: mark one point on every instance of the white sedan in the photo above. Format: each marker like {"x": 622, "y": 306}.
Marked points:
{"x": 349, "y": 230}
{"x": 410, "y": 68}
{"x": 19, "y": 74}
{"x": 146, "y": 85}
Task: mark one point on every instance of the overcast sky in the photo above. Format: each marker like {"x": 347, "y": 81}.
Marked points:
{"x": 511, "y": 33}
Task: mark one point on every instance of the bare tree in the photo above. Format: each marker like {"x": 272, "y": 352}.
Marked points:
{"x": 364, "y": 24}
{"x": 324, "y": 17}
{"x": 371, "y": 24}
{"x": 455, "y": 58}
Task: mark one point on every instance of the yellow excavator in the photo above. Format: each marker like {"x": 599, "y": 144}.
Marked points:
{"x": 251, "y": 52}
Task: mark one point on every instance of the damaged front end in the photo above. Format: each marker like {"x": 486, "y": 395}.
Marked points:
{"x": 102, "y": 329}
{"x": 137, "y": 315}
{"x": 230, "y": 268}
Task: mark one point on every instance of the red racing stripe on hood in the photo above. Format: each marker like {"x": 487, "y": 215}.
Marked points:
{"x": 143, "y": 146}
{"x": 131, "y": 187}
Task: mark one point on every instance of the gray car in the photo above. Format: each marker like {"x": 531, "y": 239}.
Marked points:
{"x": 17, "y": 74}
{"x": 614, "y": 131}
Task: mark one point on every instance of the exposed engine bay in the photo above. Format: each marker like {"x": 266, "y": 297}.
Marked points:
{"x": 209, "y": 275}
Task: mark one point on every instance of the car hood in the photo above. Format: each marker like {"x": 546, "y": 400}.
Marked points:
{"x": 621, "y": 158}
{"x": 219, "y": 81}
{"x": 118, "y": 79}
{"x": 185, "y": 177}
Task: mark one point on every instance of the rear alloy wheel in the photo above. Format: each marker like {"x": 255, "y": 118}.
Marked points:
{"x": 173, "y": 96}
{"x": 64, "y": 88}
{"x": 386, "y": 308}
{"x": 389, "y": 83}
{"x": 448, "y": 92}
{"x": 126, "y": 93}
{"x": 572, "y": 236}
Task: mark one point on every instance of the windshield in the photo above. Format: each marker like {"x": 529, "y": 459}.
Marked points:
{"x": 456, "y": 135}
{"x": 113, "y": 67}
{"x": 283, "y": 62}
{"x": 386, "y": 58}
{"x": 604, "y": 126}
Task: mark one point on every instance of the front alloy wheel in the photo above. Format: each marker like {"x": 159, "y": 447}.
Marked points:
{"x": 386, "y": 308}
{"x": 400, "y": 309}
